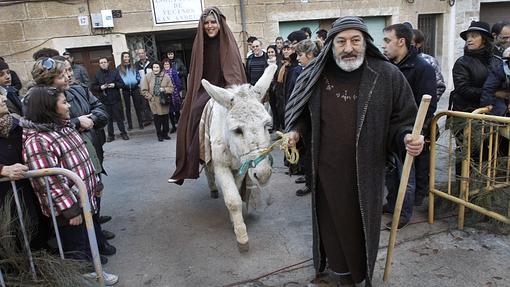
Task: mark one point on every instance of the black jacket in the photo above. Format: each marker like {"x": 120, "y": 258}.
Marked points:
{"x": 385, "y": 113}
{"x": 13, "y": 101}
{"x": 469, "y": 74}
{"x": 109, "y": 96}
{"x": 82, "y": 102}
{"x": 421, "y": 76}
{"x": 15, "y": 81}
{"x": 496, "y": 80}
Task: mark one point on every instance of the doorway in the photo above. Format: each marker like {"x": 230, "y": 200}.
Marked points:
{"x": 89, "y": 57}
{"x": 179, "y": 41}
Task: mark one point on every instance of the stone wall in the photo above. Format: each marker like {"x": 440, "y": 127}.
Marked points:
{"x": 29, "y": 26}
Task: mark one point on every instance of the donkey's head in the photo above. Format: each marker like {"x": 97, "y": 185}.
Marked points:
{"x": 247, "y": 122}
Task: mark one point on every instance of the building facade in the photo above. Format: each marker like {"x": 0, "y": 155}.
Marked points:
{"x": 161, "y": 25}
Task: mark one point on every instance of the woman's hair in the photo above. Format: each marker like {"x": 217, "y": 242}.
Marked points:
{"x": 164, "y": 61}
{"x": 122, "y": 66}
{"x": 309, "y": 46}
{"x": 45, "y": 70}
{"x": 272, "y": 47}
{"x": 42, "y": 105}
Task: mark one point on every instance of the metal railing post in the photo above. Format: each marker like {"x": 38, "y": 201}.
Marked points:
{"x": 86, "y": 212}
{"x": 53, "y": 217}
{"x": 2, "y": 283}
{"x": 489, "y": 177}
{"x": 23, "y": 229}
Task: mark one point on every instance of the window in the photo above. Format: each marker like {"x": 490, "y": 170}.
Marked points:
{"x": 427, "y": 24}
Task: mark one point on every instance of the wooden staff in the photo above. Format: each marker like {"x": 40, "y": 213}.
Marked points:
{"x": 418, "y": 124}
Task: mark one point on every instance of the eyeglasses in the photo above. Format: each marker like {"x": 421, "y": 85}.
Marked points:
{"x": 48, "y": 64}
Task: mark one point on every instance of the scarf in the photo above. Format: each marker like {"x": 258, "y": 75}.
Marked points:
{"x": 5, "y": 125}
{"x": 157, "y": 84}
{"x": 483, "y": 54}
{"x": 309, "y": 77}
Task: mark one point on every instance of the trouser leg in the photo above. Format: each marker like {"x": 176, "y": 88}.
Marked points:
{"x": 127, "y": 105}
{"x": 139, "y": 103}
{"x": 109, "y": 110}
{"x": 158, "y": 125}
{"x": 172, "y": 119}
{"x": 166, "y": 128}
{"x": 119, "y": 117}
{"x": 393, "y": 174}
{"x": 421, "y": 164}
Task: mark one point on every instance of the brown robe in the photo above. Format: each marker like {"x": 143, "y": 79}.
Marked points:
{"x": 338, "y": 208}
{"x": 218, "y": 60}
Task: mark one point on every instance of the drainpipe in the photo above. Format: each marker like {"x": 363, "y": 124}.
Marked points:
{"x": 451, "y": 44}
{"x": 243, "y": 28}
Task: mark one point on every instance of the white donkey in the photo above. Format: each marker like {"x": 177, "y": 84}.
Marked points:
{"x": 235, "y": 128}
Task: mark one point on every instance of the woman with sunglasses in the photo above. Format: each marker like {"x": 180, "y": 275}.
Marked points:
{"x": 88, "y": 114}
{"x": 50, "y": 140}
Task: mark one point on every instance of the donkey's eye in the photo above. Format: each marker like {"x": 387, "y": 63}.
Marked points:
{"x": 238, "y": 131}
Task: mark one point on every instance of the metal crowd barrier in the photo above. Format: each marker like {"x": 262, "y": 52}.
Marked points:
{"x": 483, "y": 169}
{"x": 86, "y": 214}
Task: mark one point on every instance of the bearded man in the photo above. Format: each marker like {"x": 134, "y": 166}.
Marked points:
{"x": 350, "y": 106}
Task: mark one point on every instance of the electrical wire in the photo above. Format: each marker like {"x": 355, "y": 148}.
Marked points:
{"x": 5, "y": 3}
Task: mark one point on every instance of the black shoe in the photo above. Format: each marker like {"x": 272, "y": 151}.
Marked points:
{"x": 107, "y": 249}
{"x": 108, "y": 234}
{"x": 104, "y": 219}
{"x": 147, "y": 123}
{"x": 167, "y": 137}
{"x": 124, "y": 137}
{"x": 402, "y": 223}
{"x": 214, "y": 194}
{"x": 304, "y": 191}
{"x": 173, "y": 130}
{"x": 141, "y": 127}
{"x": 160, "y": 139}
{"x": 386, "y": 209}
{"x": 301, "y": 179}
{"x": 110, "y": 139}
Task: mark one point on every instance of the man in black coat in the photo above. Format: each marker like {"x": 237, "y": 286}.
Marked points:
{"x": 422, "y": 78}
{"x": 107, "y": 84}
{"x": 350, "y": 107}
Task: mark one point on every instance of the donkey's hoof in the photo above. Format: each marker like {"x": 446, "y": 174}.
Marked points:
{"x": 214, "y": 194}
{"x": 243, "y": 247}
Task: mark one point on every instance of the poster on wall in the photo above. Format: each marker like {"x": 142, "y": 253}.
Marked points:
{"x": 176, "y": 11}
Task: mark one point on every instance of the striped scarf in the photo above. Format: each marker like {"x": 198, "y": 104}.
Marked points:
{"x": 312, "y": 72}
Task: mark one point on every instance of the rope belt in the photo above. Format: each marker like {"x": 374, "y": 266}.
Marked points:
{"x": 291, "y": 154}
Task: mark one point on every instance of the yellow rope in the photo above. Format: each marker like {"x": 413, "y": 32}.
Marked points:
{"x": 291, "y": 154}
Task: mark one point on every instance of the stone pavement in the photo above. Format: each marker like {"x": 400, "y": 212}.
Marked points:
{"x": 169, "y": 235}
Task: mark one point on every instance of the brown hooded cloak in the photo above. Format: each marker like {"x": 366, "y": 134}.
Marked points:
{"x": 217, "y": 60}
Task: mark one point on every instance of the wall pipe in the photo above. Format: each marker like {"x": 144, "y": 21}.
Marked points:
{"x": 243, "y": 27}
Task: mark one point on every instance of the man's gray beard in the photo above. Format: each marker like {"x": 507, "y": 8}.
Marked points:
{"x": 349, "y": 65}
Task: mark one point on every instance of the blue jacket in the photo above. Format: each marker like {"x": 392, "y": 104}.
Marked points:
{"x": 496, "y": 80}
{"x": 131, "y": 79}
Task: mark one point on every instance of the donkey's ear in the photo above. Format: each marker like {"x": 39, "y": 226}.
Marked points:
{"x": 264, "y": 82}
{"x": 222, "y": 96}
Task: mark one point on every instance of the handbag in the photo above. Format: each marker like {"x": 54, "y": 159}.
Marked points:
{"x": 164, "y": 98}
